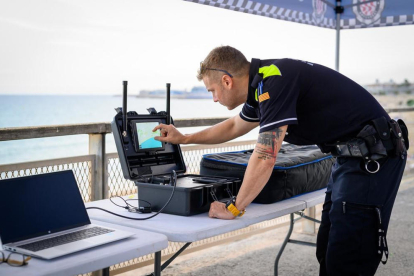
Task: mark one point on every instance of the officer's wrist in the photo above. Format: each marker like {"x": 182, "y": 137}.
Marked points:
{"x": 239, "y": 205}
{"x": 231, "y": 207}
{"x": 186, "y": 139}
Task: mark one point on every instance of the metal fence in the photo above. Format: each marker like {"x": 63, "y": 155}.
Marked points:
{"x": 82, "y": 167}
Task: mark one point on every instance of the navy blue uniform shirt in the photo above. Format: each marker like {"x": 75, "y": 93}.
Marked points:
{"x": 319, "y": 104}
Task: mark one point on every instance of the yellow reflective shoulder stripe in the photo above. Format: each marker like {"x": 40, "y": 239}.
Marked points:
{"x": 268, "y": 71}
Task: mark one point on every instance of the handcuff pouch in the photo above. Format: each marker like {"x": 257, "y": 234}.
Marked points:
{"x": 373, "y": 142}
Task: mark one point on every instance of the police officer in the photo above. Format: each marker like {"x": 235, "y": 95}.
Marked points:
{"x": 304, "y": 103}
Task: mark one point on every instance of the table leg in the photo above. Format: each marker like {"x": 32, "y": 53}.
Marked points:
{"x": 287, "y": 239}
{"x": 105, "y": 271}
{"x": 284, "y": 244}
{"x": 164, "y": 265}
{"x": 157, "y": 264}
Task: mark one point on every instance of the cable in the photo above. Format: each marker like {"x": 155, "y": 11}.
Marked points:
{"x": 149, "y": 204}
{"x": 117, "y": 204}
{"x": 174, "y": 182}
{"x": 126, "y": 202}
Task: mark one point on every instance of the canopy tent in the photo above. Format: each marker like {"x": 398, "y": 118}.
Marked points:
{"x": 334, "y": 14}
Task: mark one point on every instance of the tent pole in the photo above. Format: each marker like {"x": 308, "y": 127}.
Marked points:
{"x": 338, "y": 10}
{"x": 338, "y": 29}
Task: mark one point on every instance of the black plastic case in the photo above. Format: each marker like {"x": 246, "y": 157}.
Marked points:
{"x": 151, "y": 172}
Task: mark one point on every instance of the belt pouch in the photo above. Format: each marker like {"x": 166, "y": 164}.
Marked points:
{"x": 373, "y": 142}
{"x": 397, "y": 139}
{"x": 404, "y": 131}
{"x": 383, "y": 130}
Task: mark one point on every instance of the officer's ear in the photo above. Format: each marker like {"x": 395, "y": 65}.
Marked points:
{"x": 227, "y": 81}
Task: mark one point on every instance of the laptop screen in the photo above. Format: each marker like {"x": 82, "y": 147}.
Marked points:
{"x": 38, "y": 205}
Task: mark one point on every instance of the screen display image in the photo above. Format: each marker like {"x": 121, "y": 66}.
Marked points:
{"x": 146, "y": 136}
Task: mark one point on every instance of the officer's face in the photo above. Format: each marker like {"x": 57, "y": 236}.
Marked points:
{"x": 221, "y": 91}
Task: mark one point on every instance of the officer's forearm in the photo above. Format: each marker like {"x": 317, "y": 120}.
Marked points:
{"x": 260, "y": 165}
{"x": 257, "y": 175}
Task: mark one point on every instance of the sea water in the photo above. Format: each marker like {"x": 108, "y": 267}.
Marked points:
{"x": 44, "y": 110}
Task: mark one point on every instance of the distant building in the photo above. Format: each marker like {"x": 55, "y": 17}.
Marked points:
{"x": 197, "y": 92}
{"x": 390, "y": 88}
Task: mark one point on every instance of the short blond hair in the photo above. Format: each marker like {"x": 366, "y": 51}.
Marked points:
{"x": 224, "y": 58}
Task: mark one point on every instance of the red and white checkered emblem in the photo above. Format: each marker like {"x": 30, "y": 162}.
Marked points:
{"x": 369, "y": 8}
{"x": 368, "y": 13}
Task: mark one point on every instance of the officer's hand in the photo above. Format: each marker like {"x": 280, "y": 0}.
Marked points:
{"x": 169, "y": 134}
{"x": 219, "y": 210}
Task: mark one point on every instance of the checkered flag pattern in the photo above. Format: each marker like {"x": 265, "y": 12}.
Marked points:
{"x": 257, "y": 8}
{"x": 382, "y": 22}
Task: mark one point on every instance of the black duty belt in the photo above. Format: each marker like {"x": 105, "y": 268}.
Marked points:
{"x": 378, "y": 139}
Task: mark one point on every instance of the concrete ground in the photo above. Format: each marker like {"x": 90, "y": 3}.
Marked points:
{"x": 255, "y": 255}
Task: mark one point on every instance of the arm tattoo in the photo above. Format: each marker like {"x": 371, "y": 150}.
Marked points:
{"x": 267, "y": 144}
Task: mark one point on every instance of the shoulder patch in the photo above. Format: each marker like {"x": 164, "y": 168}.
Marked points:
{"x": 271, "y": 70}
{"x": 264, "y": 97}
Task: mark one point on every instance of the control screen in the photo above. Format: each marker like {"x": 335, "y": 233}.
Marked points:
{"x": 146, "y": 136}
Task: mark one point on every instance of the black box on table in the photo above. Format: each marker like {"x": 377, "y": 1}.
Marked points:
{"x": 149, "y": 164}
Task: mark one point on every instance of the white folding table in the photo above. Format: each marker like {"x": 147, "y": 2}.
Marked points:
{"x": 101, "y": 257}
{"x": 198, "y": 227}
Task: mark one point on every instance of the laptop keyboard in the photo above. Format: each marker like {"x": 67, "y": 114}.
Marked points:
{"x": 64, "y": 239}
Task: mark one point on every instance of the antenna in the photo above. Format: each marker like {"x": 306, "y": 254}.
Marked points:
{"x": 124, "y": 109}
{"x": 168, "y": 103}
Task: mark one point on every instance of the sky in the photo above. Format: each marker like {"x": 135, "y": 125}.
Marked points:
{"x": 91, "y": 46}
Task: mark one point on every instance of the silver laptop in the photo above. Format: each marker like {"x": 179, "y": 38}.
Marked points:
{"x": 44, "y": 216}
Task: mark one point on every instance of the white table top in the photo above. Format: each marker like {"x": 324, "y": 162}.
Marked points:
{"x": 142, "y": 243}
{"x": 198, "y": 227}
{"x": 313, "y": 198}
